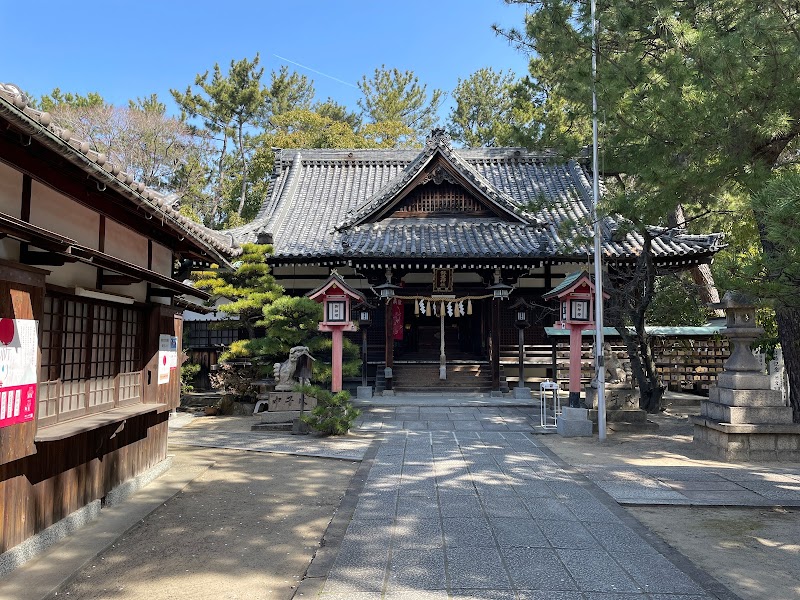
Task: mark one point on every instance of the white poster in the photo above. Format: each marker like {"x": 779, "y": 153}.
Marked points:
{"x": 167, "y": 356}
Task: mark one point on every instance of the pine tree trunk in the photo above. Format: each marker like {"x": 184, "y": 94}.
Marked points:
{"x": 630, "y": 303}
{"x": 789, "y": 333}
{"x": 220, "y": 176}
{"x": 243, "y": 157}
{"x": 788, "y": 320}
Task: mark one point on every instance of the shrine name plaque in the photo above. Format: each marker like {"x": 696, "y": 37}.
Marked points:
{"x": 442, "y": 281}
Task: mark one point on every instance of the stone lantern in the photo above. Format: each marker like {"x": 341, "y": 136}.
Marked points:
{"x": 336, "y": 298}
{"x": 576, "y": 299}
{"x": 363, "y": 314}
{"x": 743, "y": 419}
{"x": 521, "y": 322}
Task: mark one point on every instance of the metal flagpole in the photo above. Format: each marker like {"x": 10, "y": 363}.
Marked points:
{"x": 600, "y": 368}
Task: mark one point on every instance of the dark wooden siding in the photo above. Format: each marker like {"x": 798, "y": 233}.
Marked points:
{"x": 65, "y": 475}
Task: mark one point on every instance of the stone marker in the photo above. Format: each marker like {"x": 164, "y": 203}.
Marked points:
{"x": 574, "y": 422}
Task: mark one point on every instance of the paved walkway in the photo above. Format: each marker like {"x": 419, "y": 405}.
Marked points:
{"x": 492, "y": 515}
{"x": 465, "y": 502}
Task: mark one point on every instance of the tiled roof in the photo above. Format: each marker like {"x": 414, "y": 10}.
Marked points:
{"x": 14, "y": 104}
{"x": 568, "y": 282}
{"x": 320, "y": 202}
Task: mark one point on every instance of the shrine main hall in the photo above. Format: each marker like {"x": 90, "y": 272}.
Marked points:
{"x": 444, "y": 234}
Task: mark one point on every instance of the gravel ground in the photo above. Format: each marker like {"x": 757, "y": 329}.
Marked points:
{"x": 246, "y": 529}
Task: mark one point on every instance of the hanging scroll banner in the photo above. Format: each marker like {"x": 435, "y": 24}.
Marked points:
{"x": 397, "y": 320}
{"x": 18, "y": 348}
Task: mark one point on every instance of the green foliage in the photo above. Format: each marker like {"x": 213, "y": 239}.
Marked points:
{"x": 484, "y": 111}
{"x": 676, "y": 303}
{"x": 777, "y": 205}
{"x": 338, "y": 112}
{"x": 289, "y": 91}
{"x": 334, "y": 413}
{"x": 57, "y": 98}
{"x": 228, "y": 108}
{"x": 249, "y": 286}
{"x": 189, "y": 371}
{"x": 290, "y": 321}
{"x": 391, "y": 95}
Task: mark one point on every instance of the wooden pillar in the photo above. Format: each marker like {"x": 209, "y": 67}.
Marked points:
{"x": 364, "y": 352}
{"x": 495, "y": 343}
{"x": 442, "y": 356}
{"x": 575, "y": 352}
{"x": 521, "y": 341}
{"x": 336, "y": 367}
{"x": 389, "y": 338}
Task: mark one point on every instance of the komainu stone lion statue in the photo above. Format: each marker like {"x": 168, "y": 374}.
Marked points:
{"x": 617, "y": 371}
{"x": 286, "y": 373}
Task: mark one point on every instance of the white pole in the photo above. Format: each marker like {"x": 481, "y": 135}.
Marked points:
{"x": 599, "y": 362}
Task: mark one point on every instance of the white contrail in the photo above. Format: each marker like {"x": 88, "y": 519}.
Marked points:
{"x": 315, "y": 71}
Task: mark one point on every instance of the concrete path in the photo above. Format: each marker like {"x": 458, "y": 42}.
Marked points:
{"x": 493, "y": 515}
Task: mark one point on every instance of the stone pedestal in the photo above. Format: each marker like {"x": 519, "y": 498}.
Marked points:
{"x": 574, "y": 422}
{"x": 743, "y": 419}
{"x": 618, "y": 397}
{"x": 364, "y": 392}
{"x": 522, "y": 393}
{"x": 283, "y": 408}
{"x": 289, "y": 401}
{"x": 622, "y": 408}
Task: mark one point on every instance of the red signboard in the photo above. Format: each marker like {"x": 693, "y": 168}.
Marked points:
{"x": 18, "y": 363}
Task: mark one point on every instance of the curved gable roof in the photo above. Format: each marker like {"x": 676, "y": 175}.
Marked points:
{"x": 438, "y": 148}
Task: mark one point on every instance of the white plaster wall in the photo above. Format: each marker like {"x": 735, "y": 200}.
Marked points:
{"x": 59, "y": 214}
{"x": 10, "y": 191}
{"x": 9, "y": 249}
{"x": 162, "y": 260}
{"x": 137, "y": 291}
{"x": 73, "y": 275}
{"x": 125, "y": 244}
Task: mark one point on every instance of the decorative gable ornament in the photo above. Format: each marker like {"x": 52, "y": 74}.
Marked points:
{"x": 439, "y": 164}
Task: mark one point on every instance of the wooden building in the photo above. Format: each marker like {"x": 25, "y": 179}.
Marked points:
{"x": 444, "y": 225}
{"x": 91, "y": 332}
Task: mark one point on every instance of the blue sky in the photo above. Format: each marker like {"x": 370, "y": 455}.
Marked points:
{"x": 125, "y": 49}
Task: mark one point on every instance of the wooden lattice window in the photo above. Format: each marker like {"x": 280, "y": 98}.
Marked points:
{"x": 91, "y": 357}
{"x": 441, "y": 199}
{"x": 204, "y": 334}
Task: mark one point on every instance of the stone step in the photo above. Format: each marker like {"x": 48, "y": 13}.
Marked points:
{"x": 736, "y": 415}
{"x": 759, "y": 398}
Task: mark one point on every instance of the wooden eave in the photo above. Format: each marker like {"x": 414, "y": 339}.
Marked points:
{"x": 72, "y": 251}
{"x": 26, "y": 153}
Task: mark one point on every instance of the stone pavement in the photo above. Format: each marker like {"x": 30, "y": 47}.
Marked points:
{"x": 490, "y": 515}
{"x": 349, "y": 448}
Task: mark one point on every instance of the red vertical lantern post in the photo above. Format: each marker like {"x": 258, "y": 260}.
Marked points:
{"x": 336, "y": 298}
